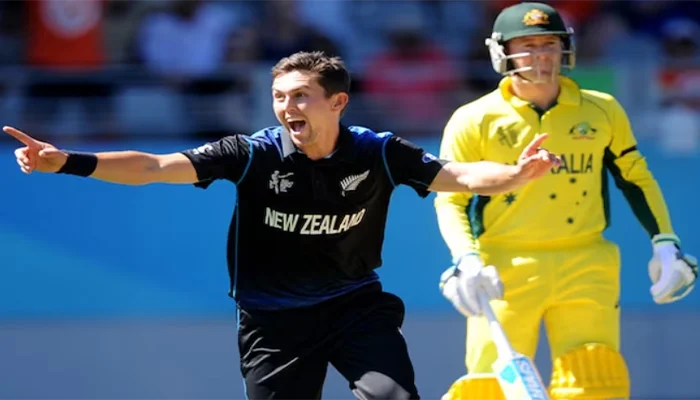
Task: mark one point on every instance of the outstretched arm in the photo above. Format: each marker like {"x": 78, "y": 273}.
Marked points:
{"x": 481, "y": 177}
{"x": 487, "y": 177}
{"x": 222, "y": 159}
{"x": 411, "y": 165}
{"x": 124, "y": 167}
{"x": 138, "y": 168}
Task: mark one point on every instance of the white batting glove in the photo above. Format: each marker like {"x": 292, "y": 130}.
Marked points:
{"x": 460, "y": 283}
{"x": 672, "y": 273}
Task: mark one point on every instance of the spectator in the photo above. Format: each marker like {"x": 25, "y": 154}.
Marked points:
{"x": 11, "y": 27}
{"x": 603, "y": 38}
{"x": 285, "y": 34}
{"x": 576, "y": 13}
{"x": 242, "y": 56}
{"x": 186, "y": 46}
{"x": 647, "y": 17}
{"x": 411, "y": 82}
{"x": 186, "y": 40}
{"x": 680, "y": 84}
{"x": 65, "y": 48}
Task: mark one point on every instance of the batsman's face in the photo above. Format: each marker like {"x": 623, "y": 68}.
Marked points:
{"x": 537, "y": 58}
{"x": 302, "y": 106}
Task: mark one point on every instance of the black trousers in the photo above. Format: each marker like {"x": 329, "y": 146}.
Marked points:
{"x": 285, "y": 354}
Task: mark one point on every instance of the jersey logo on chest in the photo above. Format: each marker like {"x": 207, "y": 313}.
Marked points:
{"x": 508, "y": 135}
{"x": 582, "y": 130}
{"x": 351, "y": 182}
{"x": 281, "y": 183}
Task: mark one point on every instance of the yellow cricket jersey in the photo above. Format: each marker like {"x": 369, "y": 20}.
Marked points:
{"x": 588, "y": 129}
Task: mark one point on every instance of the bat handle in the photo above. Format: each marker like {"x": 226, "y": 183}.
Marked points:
{"x": 499, "y": 336}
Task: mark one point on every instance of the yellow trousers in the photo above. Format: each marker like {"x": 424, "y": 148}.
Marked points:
{"x": 575, "y": 289}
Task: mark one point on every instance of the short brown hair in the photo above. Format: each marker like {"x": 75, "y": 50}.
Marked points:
{"x": 332, "y": 74}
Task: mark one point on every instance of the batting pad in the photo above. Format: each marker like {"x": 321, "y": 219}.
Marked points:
{"x": 590, "y": 372}
{"x": 475, "y": 387}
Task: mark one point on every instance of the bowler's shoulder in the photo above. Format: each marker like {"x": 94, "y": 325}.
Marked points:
{"x": 363, "y": 132}
{"x": 364, "y": 136}
{"x": 269, "y": 138}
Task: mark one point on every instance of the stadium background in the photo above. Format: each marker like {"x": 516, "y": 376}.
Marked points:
{"x": 120, "y": 292}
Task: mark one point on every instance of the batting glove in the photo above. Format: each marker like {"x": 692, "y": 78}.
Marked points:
{"x": 460, "y": 284}
{"x": 672, "y": 272}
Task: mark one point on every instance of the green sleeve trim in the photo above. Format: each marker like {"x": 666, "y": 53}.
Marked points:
{"x": 475, "y": 212}
{"x": 632, "y": 192}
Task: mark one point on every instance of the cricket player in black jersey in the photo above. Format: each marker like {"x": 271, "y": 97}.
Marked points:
{"x": 308, "y": 228}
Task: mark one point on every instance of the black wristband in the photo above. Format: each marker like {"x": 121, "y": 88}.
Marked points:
{"x": 78, "y": 163}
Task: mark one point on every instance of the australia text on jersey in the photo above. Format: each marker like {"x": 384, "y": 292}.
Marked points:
{"x": 573, "y": 163}
{"x": 312, "y": 224}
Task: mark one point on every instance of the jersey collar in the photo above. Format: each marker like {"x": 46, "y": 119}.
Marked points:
{"x": 570, "y": 93}
{"x": 287, "y": 144}
{"x": 344, "y": 149}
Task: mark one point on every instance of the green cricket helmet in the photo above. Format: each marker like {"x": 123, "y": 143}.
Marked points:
{"x": 528, "y": 19}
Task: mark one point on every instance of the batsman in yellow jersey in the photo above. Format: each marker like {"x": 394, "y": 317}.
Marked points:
{"x": 539, "y": 251}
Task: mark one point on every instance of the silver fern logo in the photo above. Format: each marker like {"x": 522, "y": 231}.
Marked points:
{"x": 351, "y": 182}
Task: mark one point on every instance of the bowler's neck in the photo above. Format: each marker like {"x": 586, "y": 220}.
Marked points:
{"x": 324, "y": 145}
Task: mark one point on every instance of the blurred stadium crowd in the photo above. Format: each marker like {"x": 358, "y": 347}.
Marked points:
{"x": 119, "y": 69}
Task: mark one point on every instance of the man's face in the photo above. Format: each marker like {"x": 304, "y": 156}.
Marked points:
{"x": 301, "y": 106}
{"x": 537, "y": 58}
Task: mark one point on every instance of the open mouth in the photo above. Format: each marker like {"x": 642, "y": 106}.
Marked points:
{"x": 297, "y": 126}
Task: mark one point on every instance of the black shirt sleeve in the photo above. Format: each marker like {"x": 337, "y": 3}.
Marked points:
{"x": 410, "y": 165}
{"x": 227, "y": 158}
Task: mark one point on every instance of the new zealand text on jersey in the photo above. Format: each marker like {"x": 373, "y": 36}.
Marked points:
{"x": 312, "y": 224}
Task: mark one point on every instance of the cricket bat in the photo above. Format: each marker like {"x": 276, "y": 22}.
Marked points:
{"x": 517, "y": 375}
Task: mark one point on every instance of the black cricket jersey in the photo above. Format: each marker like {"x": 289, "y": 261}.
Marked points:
{"x": 305, "y": 231}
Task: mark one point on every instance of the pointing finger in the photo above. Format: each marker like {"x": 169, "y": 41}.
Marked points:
{"x": 534, "y": 146}
{"x": 21, "y": 136}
